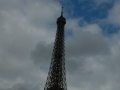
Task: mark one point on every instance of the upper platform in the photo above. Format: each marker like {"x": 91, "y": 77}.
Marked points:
{"x": 61, "y": 20}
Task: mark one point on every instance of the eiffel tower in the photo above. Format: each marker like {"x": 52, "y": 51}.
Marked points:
{"x": 56, "y": 79}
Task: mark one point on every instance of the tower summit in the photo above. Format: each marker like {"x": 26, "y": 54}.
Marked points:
{"x": 56, "y": 79}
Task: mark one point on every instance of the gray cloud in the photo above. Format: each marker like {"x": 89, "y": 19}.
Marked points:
{"x": 18, "y": 37}
{"x": 87, "y": 40}
{"x": 42, "y": 53}
{"x": 27, "y": 29}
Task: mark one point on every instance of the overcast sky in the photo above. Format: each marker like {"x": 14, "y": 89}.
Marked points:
{"x": 92, "y": 43}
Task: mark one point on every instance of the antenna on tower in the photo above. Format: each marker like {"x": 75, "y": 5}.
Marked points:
{"x": 62, "y": 8}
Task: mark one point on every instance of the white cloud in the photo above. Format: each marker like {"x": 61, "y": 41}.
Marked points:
{"x": 94, "y": 58}
{"x": 28, "y": 26}
{"x": 114, "y": 14}
{"x": 18, "y": 37}
{"x": 87, "y": 40}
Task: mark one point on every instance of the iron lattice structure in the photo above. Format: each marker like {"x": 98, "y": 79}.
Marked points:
{"x": 56, "y": 79}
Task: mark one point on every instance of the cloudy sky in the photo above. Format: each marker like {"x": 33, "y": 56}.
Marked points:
{"x": 92, "y": 42}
